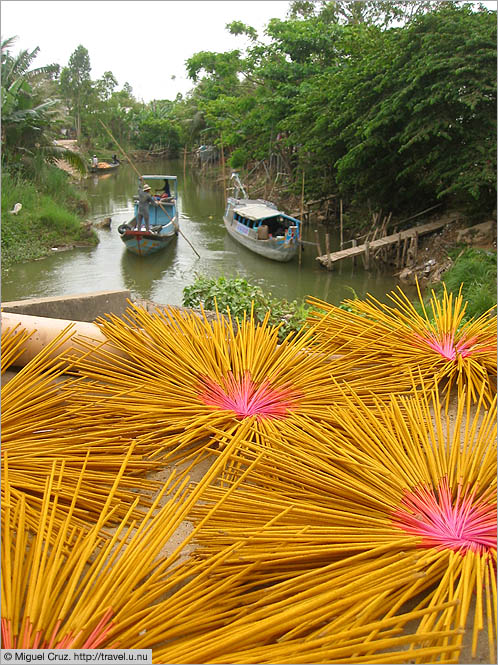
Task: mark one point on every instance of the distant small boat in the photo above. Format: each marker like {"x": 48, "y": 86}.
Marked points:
{"x": 163, "y": 222}
{"x": 105, "y": 167}
{"x": 260, "y": 226}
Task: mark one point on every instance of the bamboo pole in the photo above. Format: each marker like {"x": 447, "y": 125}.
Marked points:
{"x": 367, "y": 255}
{"x": 223, "y": 171}
{"x": 41, "y": 332}
{"x": 317, "y": 240}
{"x": 398, "y": 251}
{"x": 327, "y": 250}
{"x": 405, "y": 247}
{"x": 184, "y": 163}
{"x": 177, "y": 227}
{"x": 302, "y": 222}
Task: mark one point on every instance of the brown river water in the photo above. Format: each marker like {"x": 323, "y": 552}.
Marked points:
{"x": 163, "y": 276}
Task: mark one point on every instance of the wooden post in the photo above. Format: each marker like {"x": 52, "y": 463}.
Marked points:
{"x": 340, "y": 222}
{"x": 354, "y": 244}
{"x": 411, "y": 252}
{"x": 415, "y": 248}
{"x": 398, "y": 251}
{"x": 302, "y": 200}
{"x": 367, "y": 255}
{"x": 317, "y": 240}
{"x": 184, "y": 163}
{"x": 405, "y": 247}
{"x": 327, "y": 250}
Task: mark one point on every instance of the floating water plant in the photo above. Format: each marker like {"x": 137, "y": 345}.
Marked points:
{"x": 438, "y": 343}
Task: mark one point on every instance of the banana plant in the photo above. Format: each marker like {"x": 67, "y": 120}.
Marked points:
{"x": 30, "y": 121}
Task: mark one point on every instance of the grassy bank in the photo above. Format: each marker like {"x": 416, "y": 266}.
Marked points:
{"x": 51, "y": 215}
{"x": 476, "y": 270}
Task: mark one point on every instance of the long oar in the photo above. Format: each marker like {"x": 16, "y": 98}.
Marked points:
{"x": 140, "y": 176}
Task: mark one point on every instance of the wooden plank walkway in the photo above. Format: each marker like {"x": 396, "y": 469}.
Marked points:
{"x": 327, "y": 259}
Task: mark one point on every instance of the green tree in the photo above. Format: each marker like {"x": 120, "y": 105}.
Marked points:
{"x": 382, "y": 13}
{"x": 30, "y": 120}
{"x": 155, "y": 126}
{"x": 76, "y": 85}
{"x": 385, "y": 115}
{"x": 105, "y": 86}
{"x": 25, "y": 117}
{"x": 119, "y": 113}
{"x": 424, "y": 111}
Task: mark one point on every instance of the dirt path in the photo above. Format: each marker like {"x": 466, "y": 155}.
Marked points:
{"x": 68, "y": 144}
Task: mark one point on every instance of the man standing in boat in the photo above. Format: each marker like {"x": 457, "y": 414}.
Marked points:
{"x": 144, "y": 199}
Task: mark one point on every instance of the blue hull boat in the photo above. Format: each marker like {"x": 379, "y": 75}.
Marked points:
{"x": 163, "y": 220}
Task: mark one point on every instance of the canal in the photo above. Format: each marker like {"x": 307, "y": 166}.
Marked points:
{"x": 163, "y": 276}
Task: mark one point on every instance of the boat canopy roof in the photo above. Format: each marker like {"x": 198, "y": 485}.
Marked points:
{"x": 257, "y": 211}
{"x": 159, "y": 177}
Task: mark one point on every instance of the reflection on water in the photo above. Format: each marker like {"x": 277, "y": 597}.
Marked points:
{"x": 140, "y": 276}
{"x": 163, "y": 276}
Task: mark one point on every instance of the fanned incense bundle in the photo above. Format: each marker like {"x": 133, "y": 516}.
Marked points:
{"x": 188, "y": 376}
{"x": 38, "y": 429}
{"x": 63, "y": 587}
{"x": 399, "y": 340}
{"x": 400, "y": 480}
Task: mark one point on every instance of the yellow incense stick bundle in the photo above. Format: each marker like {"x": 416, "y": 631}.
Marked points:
{"x": 63, "y": 587}
{"x": 188, "y": 377}
{"x": 12, "y": 343}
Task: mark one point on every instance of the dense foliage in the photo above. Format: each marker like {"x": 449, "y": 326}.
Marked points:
{"x": 381, "y": 115}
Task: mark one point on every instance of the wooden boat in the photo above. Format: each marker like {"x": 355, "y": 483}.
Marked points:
{"x": 105, "y": 167}
{"x": 260, "y": 226}
{"x": 163, "y": 221}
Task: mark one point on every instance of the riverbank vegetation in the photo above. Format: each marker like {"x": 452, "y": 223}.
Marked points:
{"x": 50, "y": 215}
{"x": 384, "y": 104}
{"x": 474, "y": 270}
{"x": 41, "y": 209}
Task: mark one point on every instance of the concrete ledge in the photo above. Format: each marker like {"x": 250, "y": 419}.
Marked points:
{"x": 79, "y": 307}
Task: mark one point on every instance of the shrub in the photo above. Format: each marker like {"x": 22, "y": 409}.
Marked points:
{"x": 239, "y": 295}
{"x": 239, "y": 158}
